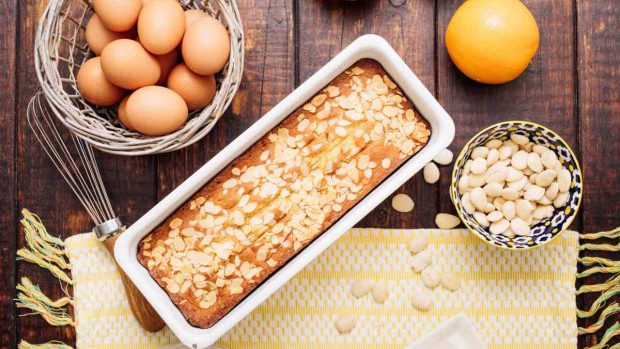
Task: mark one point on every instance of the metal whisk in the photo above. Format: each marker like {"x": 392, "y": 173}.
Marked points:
{"x": 82, "y": 174}
{"x": 75, "y": 160}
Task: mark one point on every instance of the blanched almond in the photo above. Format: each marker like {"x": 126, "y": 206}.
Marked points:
{"x": 380, "y": 292}
{"x": 422, "y": 300}
{"x": 481, "y": 218}
{"x": 519, "y": 160}
{"x": 533, "y": 162}
{"x": 447, "y": 221}
{"x": 466, "y": 203}
{"x": 499, "y": 226}
{"x": 345, "y": 324}
{"x": 478, "y": 198}
{"x": 552, "y": 191}
{"x": 450, "y": 281}
{"x": 548, "y": 159}
{"x": 430, "y": 277}
{"x": 520, "y": 227}
{"x": 479, "y": 166}
{"x": 519, "y": 139}
{"x": 479, "y": 152}
{"x": 494, "y": 144}
{"x": 509, "y": 210}
{"x": 564, "y": 180}
{"x": 431, "y": 173}
{"x": 444, "y": 157}
{"x": 534, "y": 193}
{"x": 402, "y": 203}
{"x": 421, "y": 260}
{"x": 417, "y": 244}
{"x": 495, "y": 216}
{"x": 492, "y": 157}
{"x": 361, "y": 288}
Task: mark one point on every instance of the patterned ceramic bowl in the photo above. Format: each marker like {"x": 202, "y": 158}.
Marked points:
{"x": 545, "y": 230}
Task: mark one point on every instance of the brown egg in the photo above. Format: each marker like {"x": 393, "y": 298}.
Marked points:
{"x": 156, "y": 110}
{"x": 98, "y": 36}
{"x": 122, "y": 114}
{"x": 127, "y": 64}
{"x": 118, "y": 15}
{"x": 93, "y": 85}
{"x": 206, "y": 46}
{"x": 192, "y": 15}
{"x": 196, "y": 90}
{"x": 166, "y": 63}
{"x": 161, "y": 26}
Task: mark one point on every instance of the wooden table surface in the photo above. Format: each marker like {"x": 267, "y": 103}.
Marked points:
{"x": 572, "y": 86}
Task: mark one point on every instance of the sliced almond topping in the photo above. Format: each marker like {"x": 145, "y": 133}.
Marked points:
{"x": 176, "y": 223}
{"x": 309, "y": 107}
{"x": 333, "y": 91}
{"x": 236, "y": 290}
{"x": 385, "y": 163}
{"x": 357, "y": 71}
{"x": 173, "y": 288}
{"x": 231, "y": 183}
{"x": 318, "y": 99}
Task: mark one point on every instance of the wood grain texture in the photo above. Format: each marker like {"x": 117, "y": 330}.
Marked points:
{"x": 326, "y": 27}
{"x": 8, "y": 53}
{"x": 544, "y": 93}
{"x": 598, "y": 39}
{"x": 40, "y": 188}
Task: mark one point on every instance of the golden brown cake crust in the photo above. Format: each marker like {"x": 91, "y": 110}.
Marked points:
{"x": 283, "y": 192}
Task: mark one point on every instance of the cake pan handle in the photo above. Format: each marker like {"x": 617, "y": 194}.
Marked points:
{"x": 140, "y": 307}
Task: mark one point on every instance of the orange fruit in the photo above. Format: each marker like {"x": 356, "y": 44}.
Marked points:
{"x": 492, "y": 41}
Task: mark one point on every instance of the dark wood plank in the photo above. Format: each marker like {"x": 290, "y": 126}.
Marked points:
{"x": 268, "y": 77}
{"x": 545, "y": 93}
{"x": 8, "y": 54}
{"x": 598, "y": 39}
{"x": 130, "y": 182}
{"x": 326, "y": 27}
{"x": 40, "y": 187}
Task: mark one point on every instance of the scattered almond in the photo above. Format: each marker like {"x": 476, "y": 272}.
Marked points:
{"x": 402, "y": 203}
{"x": 345, "y": 324}
{"x": 447, "y": 221}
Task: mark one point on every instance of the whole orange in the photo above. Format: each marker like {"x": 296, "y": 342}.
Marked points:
{"x": 492, "y": 41}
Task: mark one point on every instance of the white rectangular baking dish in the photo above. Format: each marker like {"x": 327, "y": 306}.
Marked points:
{"x": 367, "y": 46}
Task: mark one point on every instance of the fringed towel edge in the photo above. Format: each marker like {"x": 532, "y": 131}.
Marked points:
{"x": 609, "y": 289}
{"x": 48, "y": 252}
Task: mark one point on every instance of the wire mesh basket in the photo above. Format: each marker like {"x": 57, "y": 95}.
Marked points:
{"x": 61, "y": 48}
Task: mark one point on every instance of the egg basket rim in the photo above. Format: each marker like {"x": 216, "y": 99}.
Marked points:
{"x": 453, "y": 181}
{"x": 92, "y": 124}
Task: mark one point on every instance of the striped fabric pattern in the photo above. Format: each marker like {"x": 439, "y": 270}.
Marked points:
{"x": 516, "y": 299}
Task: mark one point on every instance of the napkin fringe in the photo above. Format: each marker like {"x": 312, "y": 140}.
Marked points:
{"x": 611, "y": 332}
{"x": 44, "y": 250}
{"x": 614, "y": 280}
{"x": 609, "y": 289}
{"x": 49, "y": 345}
{"x": 48, "y": 252}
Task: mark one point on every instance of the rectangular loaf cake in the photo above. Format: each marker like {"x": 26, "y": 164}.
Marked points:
{"x": 283, "y": 192}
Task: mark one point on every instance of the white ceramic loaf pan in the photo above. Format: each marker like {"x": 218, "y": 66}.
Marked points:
{"x": 367, "y": 46}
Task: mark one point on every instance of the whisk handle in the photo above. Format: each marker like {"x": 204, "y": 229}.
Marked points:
{"x": 142, "y": 310}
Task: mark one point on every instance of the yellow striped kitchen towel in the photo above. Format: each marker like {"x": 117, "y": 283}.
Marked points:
{"x": 516, "y": 299}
